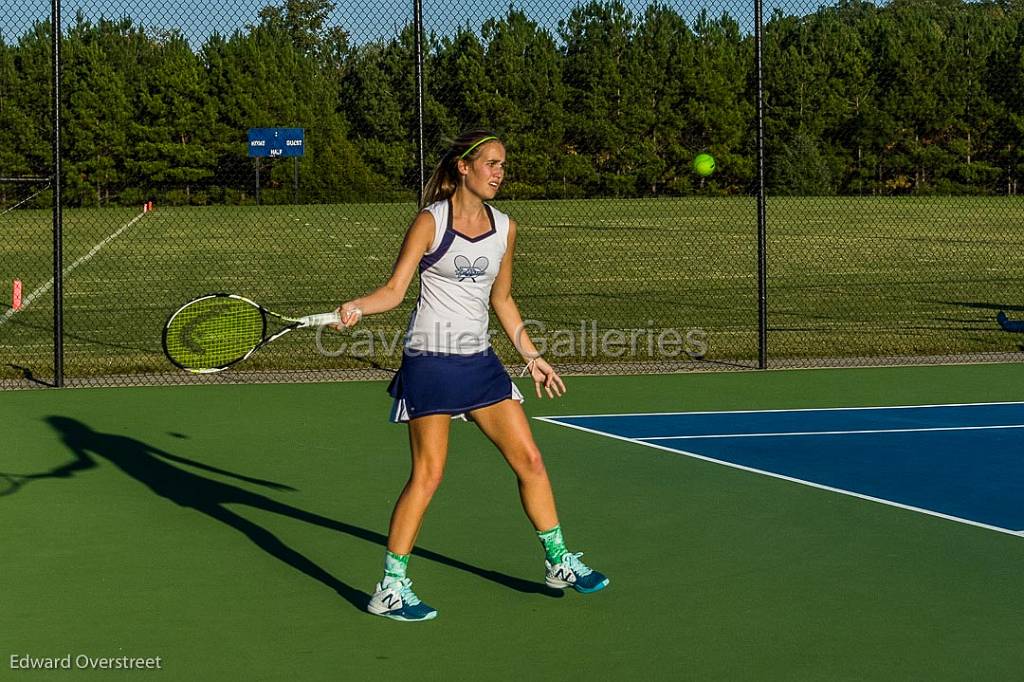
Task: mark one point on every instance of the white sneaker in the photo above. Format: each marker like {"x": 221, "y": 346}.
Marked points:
{"x": 571, "y": 572}
{"x": 397, "y": 600}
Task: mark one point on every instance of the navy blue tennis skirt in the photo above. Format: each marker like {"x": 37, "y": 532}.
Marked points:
{"x": 440, "y": 383}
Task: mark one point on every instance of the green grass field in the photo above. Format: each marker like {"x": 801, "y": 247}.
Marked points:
{"x": 848, "y": 277}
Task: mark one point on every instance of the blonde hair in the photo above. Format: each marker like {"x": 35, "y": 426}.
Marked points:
{"x": 445, "y": 179}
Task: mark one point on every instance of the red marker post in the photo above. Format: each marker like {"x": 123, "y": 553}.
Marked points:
{"x": 16, "y": 295}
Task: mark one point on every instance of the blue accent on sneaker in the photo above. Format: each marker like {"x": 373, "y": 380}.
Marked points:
{"x": 396, "y": 600}
{"x": 571, "y": 572}
{"x": 411, "y": 613}
{"x": 591, "y": 583}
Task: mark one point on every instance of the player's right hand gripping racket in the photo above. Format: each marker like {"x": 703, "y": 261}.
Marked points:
{"x": 213, "y": 332}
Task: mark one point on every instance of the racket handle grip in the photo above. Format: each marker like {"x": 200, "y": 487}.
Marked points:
{"x": 321, "y": 319}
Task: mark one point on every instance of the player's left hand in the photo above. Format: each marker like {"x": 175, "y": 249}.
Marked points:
{"x": 544, "y": 375}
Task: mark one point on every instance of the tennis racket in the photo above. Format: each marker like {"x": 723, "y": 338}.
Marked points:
{"x": 213, "y": 332}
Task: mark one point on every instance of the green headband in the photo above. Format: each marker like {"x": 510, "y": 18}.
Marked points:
{"x": 477, "y": 144}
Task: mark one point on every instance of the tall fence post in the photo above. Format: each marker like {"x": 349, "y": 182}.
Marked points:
{"x": 762, "y": 227}
{"x": 417, "y": 20}
{"x": 58, "y": 215}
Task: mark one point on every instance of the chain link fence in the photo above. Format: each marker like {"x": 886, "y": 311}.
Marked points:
{"x": 892, "y": 155}
{"x": 894, "y": 147}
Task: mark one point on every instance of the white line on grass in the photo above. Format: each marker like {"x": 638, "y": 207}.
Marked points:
{"x": 812, "y": 484}
{"x": 25, "y": 200}
{"x": 11, "y": 312}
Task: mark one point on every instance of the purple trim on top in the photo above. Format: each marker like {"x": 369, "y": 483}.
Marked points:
{"x": 442, "y": 248}
{"x": 449, "y": 237}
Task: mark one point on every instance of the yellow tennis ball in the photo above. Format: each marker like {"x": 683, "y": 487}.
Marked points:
{"x": 704, "y": 165}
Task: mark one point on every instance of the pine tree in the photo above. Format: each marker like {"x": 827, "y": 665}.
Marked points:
{"x": 597, "y": 38}
{"x": 97, "y": 113}
{"x": 525, "y": 102}
{"x": 173, "y": 122}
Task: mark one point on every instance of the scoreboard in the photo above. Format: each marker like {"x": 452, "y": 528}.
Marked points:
{"x": 277, "y": 142}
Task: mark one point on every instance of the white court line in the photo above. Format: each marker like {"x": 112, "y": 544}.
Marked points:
{"x": 800, "y": 481}
{"x": 794, "y": 409}
{"x": 11, "y": 312}
{"x": 833, "y": 433}
{"x": 26, "y": 199}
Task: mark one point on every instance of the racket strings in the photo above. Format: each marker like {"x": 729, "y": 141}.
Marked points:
{"x": 214, "y": 332}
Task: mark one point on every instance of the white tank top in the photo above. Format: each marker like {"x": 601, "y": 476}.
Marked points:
{"x": 456, "y": 274}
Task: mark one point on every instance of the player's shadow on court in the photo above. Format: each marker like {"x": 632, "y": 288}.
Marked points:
{"x": 156, "y": 469}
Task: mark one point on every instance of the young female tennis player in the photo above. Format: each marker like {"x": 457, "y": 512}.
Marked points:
{"x": 462, "y": 249}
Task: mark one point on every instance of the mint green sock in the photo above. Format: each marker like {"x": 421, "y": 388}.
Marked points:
{"x": 394, "y": 566}
{"x": 554, "y": 544}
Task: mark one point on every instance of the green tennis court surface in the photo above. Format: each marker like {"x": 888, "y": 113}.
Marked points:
{"x": 234, "y": 531}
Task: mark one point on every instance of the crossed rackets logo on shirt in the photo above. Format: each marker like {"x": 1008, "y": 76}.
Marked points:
{"x": 466, "y": 270}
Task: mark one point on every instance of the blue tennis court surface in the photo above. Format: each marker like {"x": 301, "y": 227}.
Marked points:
{"x": 961, "y": 462}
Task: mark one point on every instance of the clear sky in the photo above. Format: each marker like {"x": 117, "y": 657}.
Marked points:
{"x": 364, "y": 19}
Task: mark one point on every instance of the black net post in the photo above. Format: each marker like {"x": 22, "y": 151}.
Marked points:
{"x": 762, "y": 217}
{"x": 58, "y": 215}
{"x": 417, "y": 21}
